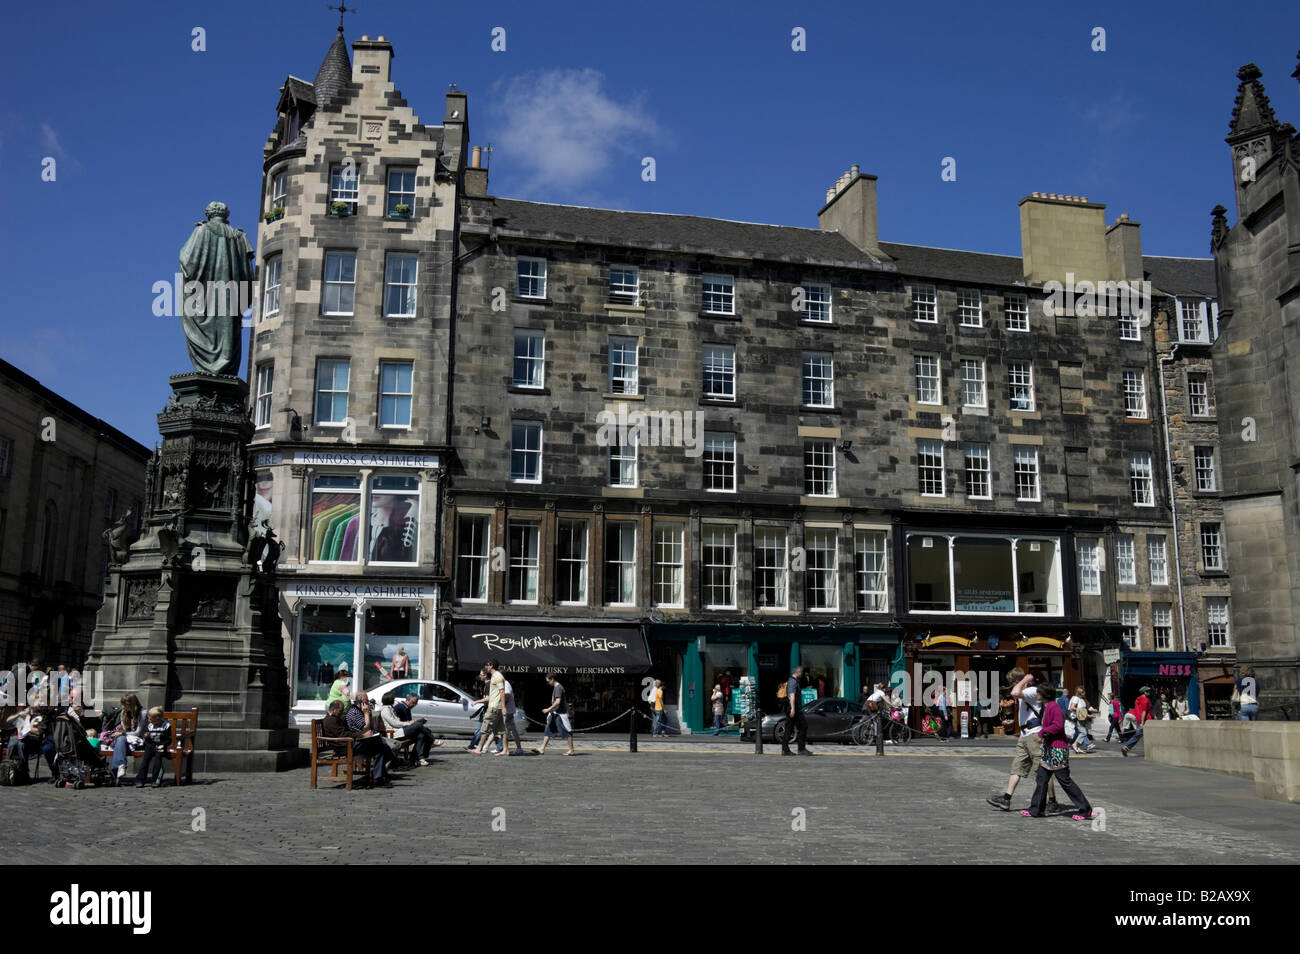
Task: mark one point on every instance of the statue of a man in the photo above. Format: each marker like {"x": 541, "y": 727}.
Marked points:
{"x": 220, "y": 258}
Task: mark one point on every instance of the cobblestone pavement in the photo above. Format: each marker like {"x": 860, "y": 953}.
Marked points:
{"x": 672, "y": 802}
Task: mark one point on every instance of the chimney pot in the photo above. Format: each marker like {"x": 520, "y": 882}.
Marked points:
{"x": 830, "y": 194}
{"x": 381, "y": 38}
{"x": 854, "y": 169}
{"x": 365, "y": 37}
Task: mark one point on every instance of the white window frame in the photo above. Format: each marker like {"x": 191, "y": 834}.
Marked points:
{"x": 526, "y": 428}
{"x": 817, "y": 303}
{"x": 345, "y": 188}
{"x": 1212, "y": 546}
{"x": 402, "y": 196}
{"x": 272, "y": 278}
{"x": 481, "y": 532}
{"x": 1130, "y": 326}
{"x": 1132, "y": 624}
{"x": 1157, "y": 560}
{"x": 970, "y": 308}
{"x": 978, "y": 453}
{"x": 623, "y": 464}
{"x": 279, "y": 191}
{"x": 717, "y": 294}
{"x": 818, "y": 379}
{"x": 724, "y": 441}
{"x": 771, "y": 556}
{"x": 1162, "y": 625}
{"x": 1207, "y": 481}
{"x": 522, "y": 561}
{"x": 1016, "y": 307}
{"x": 1201, "y": 378}
{"x": 614, "y": 561}
{"x": 1218, "y": 620}
{"x": 1133, "y": 382}
{"x": 624, "y": 375}
{"x": 534, "y": 364}
{"x": 830, "y": 574}
{"x": 342, "y": 287}
{"x": 530, "y": 276}
{"x": 1024, "y": 469}
{"x": 407, "y": 292}
{"x": 1141, "y": 479}
{"x": 397, "y": 395}
{"x": 931, "y": 450}
{"x": 1193, "y": 314}
{"x": 974, "y": 386}
{"x": 718, "y": 540}
{"x": 817, "y": 469}
{"x": 871, "y": 571}
{"x": 346, "y": 392}
{"x": 620, "y": 290}
{"x": 1125, "y": 560}
{"x": 1020, "y": 374}
{"x": 265, "y": 393}
{"x": 925, "y": 304}
{"x": 1088, "y": 560}
{"x": 565, "y": 530}
{"x": 918, "y": 378}
{"x": 718, "y": 362}
{"x": 669, "y": 565}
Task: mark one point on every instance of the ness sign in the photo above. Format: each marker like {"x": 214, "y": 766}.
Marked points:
{"x": 78, "y": 908}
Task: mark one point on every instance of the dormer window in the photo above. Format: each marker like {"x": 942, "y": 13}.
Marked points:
{"x": 291, "y": 125}
{"x": 1198, "y": 320}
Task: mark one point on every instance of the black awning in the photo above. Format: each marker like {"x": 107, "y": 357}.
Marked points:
{"x": 541, "y": 647}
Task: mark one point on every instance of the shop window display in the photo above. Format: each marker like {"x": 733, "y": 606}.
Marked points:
{"x": 335, "y": 518}
{"x": 324, "y": 646}
{"x": 394, "y": 519}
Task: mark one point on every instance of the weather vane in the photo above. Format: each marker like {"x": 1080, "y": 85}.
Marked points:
{"x": 343, "y": 8}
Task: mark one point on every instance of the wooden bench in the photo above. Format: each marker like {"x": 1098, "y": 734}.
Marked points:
{"x": 185, "y": 725}
{"x": 323, "y": 752}
{"x": 403, "y": 747}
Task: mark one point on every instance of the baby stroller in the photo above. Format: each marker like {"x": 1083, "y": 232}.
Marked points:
{"x": 76, "y": 762}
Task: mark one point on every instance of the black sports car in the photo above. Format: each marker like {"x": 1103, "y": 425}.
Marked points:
{"x": 829, "y": 720}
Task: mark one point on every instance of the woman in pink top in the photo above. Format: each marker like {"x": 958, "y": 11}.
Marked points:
{"x": 1056, "y": 761}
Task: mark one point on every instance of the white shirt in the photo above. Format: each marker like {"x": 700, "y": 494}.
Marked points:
{"x": 877, "y": 696}
{"x": 1029, "y": 695}
{"x": 510, "y": 700}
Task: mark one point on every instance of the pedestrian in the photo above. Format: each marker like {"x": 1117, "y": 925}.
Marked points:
{"x": 1029, "y": 749}
{"x": 1247, "y": 694}
{"x": 945, "y": 722}
{"x": 1114, "y": 716}
{"x": 1082, "y": 715}
{"x": 1054, "y": 763}
{"x": 719, "y": 701}
{"x": 495, "y": 717}
{"x": 1180, "y": 706}
{"x": 1141, "y": 712}
{"x": 661, "y": 715}
{"x": 339, "y": 689}
{"x": 557, "y": 716}
{"x": 511, "y": 728}
{"x": 796, "y": 721}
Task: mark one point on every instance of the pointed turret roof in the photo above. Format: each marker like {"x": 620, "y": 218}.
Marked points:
{"x": 335, "y": 72}
{"x": 1251, "y": 113}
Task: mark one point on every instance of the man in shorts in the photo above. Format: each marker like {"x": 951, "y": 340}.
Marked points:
{"x": 494, "y": 720}
{"x": 1029, "y": 747}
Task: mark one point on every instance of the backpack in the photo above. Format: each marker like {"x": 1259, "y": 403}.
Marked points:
{"x": 13, "y": 772}
{"x": 783, "y": 691}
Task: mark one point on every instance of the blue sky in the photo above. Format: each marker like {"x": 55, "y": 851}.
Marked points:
{"x": 145, "y": 131}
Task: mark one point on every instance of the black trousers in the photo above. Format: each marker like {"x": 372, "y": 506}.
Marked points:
{"x": 1062, "y": 776}
{"x": 799, "y": 729}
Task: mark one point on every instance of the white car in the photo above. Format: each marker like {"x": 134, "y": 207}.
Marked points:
{"x": 447, "y": 709}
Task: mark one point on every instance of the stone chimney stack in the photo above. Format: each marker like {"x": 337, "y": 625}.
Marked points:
{"x": 1062, "y": 234}
{"x": 1124, "y": 249}
{"x": 476, "y": 176}
{"x": 372, "y": 61}
{"x": 850, "y": 209}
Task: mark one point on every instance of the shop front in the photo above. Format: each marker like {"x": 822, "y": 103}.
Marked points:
{"x": 360, "y": 628}
{"x": 973, "y": 666}
{"x": 691, "y": 658}
{"x": 600, "y": 664}
{"x": 1216, "y": 683}
{"x": 1173, "y": 674}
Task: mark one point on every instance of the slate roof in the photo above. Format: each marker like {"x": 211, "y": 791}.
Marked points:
{"x": 335, "y": 73}
{"x": 301, "y": 89}
{"x": 978, "y": 268}
{"x": 1180, "y": 276}
{"x": 687, "y": 233}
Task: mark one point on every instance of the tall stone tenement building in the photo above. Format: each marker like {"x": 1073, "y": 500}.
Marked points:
{"x": 1258, "y": 263}
{"x": 65, "y": 478}
{"x": 622, "y": 442}
{"x": 349, "y": 363}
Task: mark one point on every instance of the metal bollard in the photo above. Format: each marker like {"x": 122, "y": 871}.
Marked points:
{"x": 758, "y": 731}
{"x": 880, "y": 735}
{"x": 631, "y": 732}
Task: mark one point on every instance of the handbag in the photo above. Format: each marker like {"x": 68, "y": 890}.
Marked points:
{"x": 1055, "y": 759}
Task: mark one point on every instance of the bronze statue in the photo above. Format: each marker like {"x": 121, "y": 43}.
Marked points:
{"x": 118, "y": 537}
{"x": 220, "y": 259}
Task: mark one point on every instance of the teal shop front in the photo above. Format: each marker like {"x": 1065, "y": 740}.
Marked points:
{"x": 691, "y": 658}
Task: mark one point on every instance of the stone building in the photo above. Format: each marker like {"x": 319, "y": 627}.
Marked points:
{"x": 761, "y": 445}
{"x": 348, "y": 364}
{"x": 1258, "y": 269}
{"x": 65, "y": 477}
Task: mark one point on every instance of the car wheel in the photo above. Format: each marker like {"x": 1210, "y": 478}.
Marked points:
{"x": 781, "y": 733}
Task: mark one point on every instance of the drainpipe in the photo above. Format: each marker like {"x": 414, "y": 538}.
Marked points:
{"x": 1173, "y": 505}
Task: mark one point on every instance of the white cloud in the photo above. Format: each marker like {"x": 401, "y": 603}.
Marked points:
{"x": 559, "y": 130}
{"x": 50, "y": 142}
